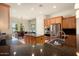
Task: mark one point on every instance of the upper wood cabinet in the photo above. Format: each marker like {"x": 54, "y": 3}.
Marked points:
{"x": 59, "y": 19}
{"x": 54, "y": 20}
{"x": 4, "y": 17}
{"x": 69, "y": 22}
{"x": 47, "y": 22}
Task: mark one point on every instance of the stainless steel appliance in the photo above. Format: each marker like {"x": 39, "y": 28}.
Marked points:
{"x": 55, "y": 29}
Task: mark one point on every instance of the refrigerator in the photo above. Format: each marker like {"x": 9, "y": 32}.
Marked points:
{"x": 55, "y": 29}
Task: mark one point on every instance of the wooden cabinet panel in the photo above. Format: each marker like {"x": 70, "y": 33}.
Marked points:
{"x": 53, "y": 21}
{"x": 65, "y": 23}
{"x": 47, "y": 22}
{"x": 59, "y": 20}
{"x": 29, "y": 39}
{"x": 69, "y": 22}
{"x": 56, "y": 20}
{"x": 72, "y": 22}
{"x": 40, "y": 40}
{"x": 71, "y": 41}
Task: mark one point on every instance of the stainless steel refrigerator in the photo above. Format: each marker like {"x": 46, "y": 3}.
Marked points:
{"x": 55, "y": 29}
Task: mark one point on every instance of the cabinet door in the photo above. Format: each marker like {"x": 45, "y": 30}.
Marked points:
{"x": 71, "y": 41}
{"x": 52, "y": 21}
{"x": 69, "y": 22}
{"x": 49, "y": 22}
{"x": 58, "y": 20}
{"x": 40, "y": 40}
{"x": 72, "y": 22}
{"x": 45, "y": 23}
{"x": 65, "y": 23}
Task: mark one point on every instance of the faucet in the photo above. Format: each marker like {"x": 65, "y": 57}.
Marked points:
{"x": 61, "y": 34}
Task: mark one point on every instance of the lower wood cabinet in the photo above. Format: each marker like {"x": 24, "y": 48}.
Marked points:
{"x": 29, "y": 39}
{"x": 71, "y": 41}
{"x": 40, "y": 40}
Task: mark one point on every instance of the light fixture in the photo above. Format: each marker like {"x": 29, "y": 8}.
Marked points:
{"x": 32, "y": 54}
{"x": 14, "y": 53}
{"x": 77, "y": 53}
{"x": 54, "y": 6}
{"x": 32, "y": 9}
{"x": 33, "y": 46}
{"x": 40, "y": 12}
{"x": 41, "y": 50}
{"x": 19, "y": 4}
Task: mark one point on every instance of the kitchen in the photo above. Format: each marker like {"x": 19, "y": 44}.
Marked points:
{"x": 41, "y": 27}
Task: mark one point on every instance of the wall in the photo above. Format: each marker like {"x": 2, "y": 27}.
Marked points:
{"x": 77, "y": 23}
{"x": 77, "y": 30}
{"x": 4, "y": 18}
{"x": 70, "y": 12}
{"x": 40, "y": 26}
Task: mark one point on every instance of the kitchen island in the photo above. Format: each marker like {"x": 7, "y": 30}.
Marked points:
{"x": 31, "y": 38}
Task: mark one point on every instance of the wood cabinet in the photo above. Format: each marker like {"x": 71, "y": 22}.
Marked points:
{"x": 40, "y": 40}
{"x": 69, "y": 22}
{"x": 71, "y": 41}
{"x": 47, "y": 22}
{"x": 65, "y": 23}
{"x": 54, "y": 20}
{"x": 59, "y": 19}
{"x": 29, "y": 39}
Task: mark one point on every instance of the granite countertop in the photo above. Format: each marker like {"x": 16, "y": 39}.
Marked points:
{"x": 31, "y": 34}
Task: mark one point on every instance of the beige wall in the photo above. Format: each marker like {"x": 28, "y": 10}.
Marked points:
{"x": 4, "y": 18}
{"x": 39, "y": 25}
{"x": 69, "y": 12}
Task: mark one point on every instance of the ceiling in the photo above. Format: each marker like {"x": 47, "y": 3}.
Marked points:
{"x": 32, "y": 10}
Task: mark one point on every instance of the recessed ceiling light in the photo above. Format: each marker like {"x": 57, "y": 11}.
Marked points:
{"x": 54, "y": 6}
{"x": 32, "y": 54}
{"x": 41, "y": 50}
{"x": 40, "y": 12}
{"x": 33, "y": 46}
{"x": 77, "y": 53}
{"x": 18, "y": 3}
{"x": 14, "y": 53}
{"x": 32, "y": 9}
